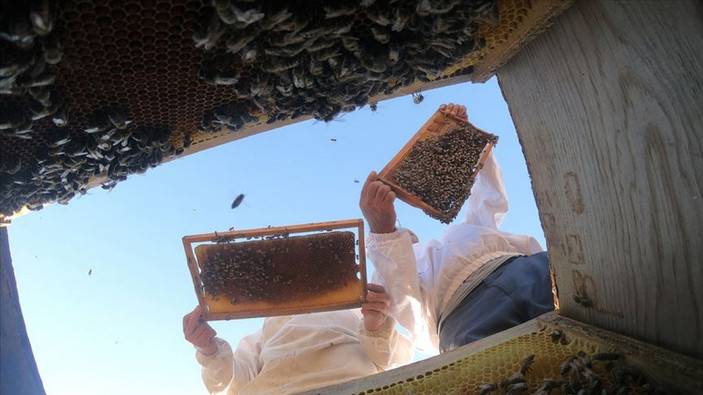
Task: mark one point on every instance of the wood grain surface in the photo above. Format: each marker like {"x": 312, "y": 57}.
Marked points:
{"x": 18, "y": 370}
{"x": 608, "y": 105}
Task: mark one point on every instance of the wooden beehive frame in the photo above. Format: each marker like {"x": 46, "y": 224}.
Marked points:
{"x": 194, "y": 267}
{"x": 438, "y": 124}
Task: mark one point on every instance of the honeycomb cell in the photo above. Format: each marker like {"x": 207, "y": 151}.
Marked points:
{"x": 140, "y": 54}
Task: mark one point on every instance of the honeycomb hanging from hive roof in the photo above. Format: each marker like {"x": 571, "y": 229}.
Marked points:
{"x": 140, "y": 57}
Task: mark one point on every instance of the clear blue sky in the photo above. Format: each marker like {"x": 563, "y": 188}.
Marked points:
{"x": 118, "y": 331}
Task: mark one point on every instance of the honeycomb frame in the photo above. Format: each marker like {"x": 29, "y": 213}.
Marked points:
{"x": 461, "y": 371}
{"x": 347, "y": 297}
{"x": 139, "y": 55}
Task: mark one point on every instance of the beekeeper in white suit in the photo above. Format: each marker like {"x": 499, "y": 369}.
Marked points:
{"x": 473, "y": 282}
{"x": 292, "y": 354}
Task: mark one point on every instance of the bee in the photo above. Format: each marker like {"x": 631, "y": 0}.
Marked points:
{"x": 526, "y": 363}
{"x": 209, "y": 33}
{"x": 516, "y": 388}
{"x": 417, "y": 97}
{"x": 430, "y": 7}
{"x": 237, "y": 201}
{"x": 247, "y": 17}
{"x": 236, "y": 43}
{"x": 337, "y": 10}
{"x": 378, "y": 17}
{"x": 43, "y": 79}
{"x": 276, "y": 19}
{"x": 381, "y": 35}
{"x": 53, "y": 51}
{"x": 557, "y": 336}
{"x": 400, "y": 20}
{"x": 41, "y": 18}
{"x": 485, "y": 389}
{"x": 19, "y": 32}
{"x": 39, "y": 111}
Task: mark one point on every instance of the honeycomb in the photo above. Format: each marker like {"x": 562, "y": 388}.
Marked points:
{"x": 435, "y": 170}
{"x": 463, "y": 377}
{"x": 139, "y": 56}
{"x": 520, "y": 21}
{"x": 279, "y": 269}
{"x": 567, "y": 357}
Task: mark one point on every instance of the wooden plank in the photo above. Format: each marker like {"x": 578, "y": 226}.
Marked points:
{"x": 608, "y": 105}
{"x": 664, "y": 365}
{"x": 18, "y": 370}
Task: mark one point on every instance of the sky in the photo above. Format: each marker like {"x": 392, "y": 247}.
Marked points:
{"x": 118, "y": 329}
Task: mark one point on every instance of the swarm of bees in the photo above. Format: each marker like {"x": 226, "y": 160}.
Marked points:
{"x": 68, "y": 159}
{"x": 276, "y": 269}
{"x": 281, "y": 60}
{"x": 440, "y": 170}
{"x": 110, "y": 147}
{"x": 322, "y": 58}
{"x": 581, "y": 374}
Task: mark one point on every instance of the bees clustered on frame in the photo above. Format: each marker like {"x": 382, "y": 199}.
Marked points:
{"x": 440, "y": 170}
{"x": 277, "y": 268}
{"x": 599, "y": 373}
{"x": 286, "y": 59}
{"x": 63, "y": 160}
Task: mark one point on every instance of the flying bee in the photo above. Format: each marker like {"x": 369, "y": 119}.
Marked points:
{"x": 237, "y": 201}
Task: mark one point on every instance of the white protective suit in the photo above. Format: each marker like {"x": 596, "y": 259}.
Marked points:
{"x": 292, "y": 354}
{"x": 421, "y": 279}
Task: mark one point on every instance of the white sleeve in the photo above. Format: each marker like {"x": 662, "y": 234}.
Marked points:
{"x": 488, "y": 203}
{"x": 396, "y": 269}
{"x": 225, "y": 369}
{"x": 386, "y": 347}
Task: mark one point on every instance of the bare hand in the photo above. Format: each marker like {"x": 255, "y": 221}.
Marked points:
{"x": 456, "y": 110}
{"x": 376, "y": 204}
{"x": 198, "y": 332}
{"x": 376, "y": 307}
